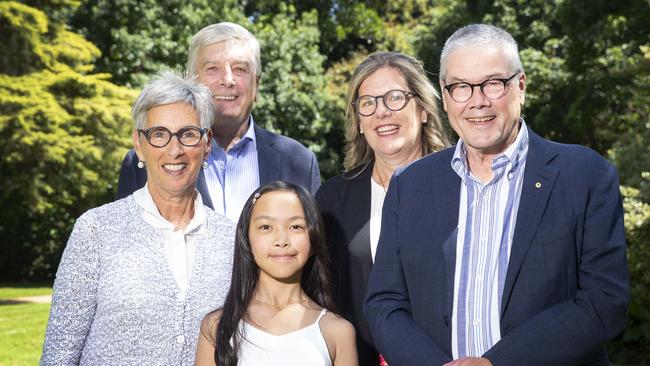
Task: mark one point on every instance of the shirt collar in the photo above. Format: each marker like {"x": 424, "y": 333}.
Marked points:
{"x": 250, "y": 132}
{"x": 249, "y": 135}
{"x": 144, "y": 200}
{"x": 514, "y": 154}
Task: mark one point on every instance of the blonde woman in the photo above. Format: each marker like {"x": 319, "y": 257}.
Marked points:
{"x": 392, "y": 119}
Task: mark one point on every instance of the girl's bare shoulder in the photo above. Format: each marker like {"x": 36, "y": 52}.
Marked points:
{"x": 209, "y": 325}
{"x": 335, "y": 325}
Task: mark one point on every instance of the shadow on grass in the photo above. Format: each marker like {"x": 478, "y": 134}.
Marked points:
{"x": 44, "y": 299}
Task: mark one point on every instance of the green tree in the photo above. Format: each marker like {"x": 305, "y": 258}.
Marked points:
{"x": 631, "y": 154}
{"x": 348, "y": 28}
{"x": 64, "y": 132}
{"x": 345, "y": 27}
{"x": 294, "y": 99}
{"x": 139, "y": 38}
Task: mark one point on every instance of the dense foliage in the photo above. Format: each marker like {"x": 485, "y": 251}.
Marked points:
{"x": 65, "y": 126}
{"x": 139, "y": 38}
{"x": 64, "y": 132}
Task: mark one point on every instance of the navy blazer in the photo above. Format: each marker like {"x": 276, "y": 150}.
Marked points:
{"x": 566, "y": 291}
{"x": 344, "y": 202}
{"x": 279, "y": 158}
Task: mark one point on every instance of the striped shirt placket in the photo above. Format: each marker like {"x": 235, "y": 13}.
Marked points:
{"x": 233, "y": 175}
{"x": 489, "y": 215}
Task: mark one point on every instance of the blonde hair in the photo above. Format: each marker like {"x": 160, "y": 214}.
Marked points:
{"x": 434, "y": 136}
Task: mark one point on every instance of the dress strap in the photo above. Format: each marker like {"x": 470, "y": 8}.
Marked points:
{"x": 322, "y": 314}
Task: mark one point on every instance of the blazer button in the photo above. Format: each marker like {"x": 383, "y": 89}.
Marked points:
{"x": 180, "y": 339}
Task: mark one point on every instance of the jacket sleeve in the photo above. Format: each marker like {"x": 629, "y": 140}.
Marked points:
{"x": 74, "y": 297}
{"x": 571, "y": 330}
{"x": 387, "y": 307}
{"x": 314, "y": 173}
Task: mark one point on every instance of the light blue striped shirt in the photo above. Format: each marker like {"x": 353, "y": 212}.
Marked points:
{"x": 486, "y": 222}
{"x": 231, "y": 176}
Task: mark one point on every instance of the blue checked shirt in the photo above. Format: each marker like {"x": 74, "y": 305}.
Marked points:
{"x": 486, "y": 223}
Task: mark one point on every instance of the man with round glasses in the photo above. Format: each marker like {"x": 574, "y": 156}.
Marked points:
{"x": 506, "y": 249}
{"x": 226, "y": 58}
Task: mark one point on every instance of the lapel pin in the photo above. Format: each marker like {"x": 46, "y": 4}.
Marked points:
{"x": 538, "y": 185}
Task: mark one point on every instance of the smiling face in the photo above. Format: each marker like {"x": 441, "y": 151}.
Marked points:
{"x": 171, "y": 170}
{"x": 279, "y": 236}
{"x": 486, "y": 126}
{"x": 228, "y": 69}
{"x": 392, "y": 134}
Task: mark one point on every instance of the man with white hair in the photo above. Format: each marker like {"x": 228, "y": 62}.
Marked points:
{"x": 226, "y": 57}
{"x": 506, "y": 249}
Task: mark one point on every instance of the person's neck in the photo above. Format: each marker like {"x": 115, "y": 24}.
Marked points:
{"x": 479, "y": 162}
{"x": 279, "y": 294}
{"x": 178, "y": 210}
{"x": 385, "y": 166}
{"x": 228, "y": 135}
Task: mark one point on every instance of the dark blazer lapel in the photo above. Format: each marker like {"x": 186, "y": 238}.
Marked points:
{"x": 355, "y": 214}
{"x": 267, "y": 158}
{"x": 449, "y": 251}
{"x": 202, "y": 187}
{"x": 539, "y": 178}
{"x": 359, "y": 249}
{"x": 359, "y": 219}
{"x": 449, "y": 195}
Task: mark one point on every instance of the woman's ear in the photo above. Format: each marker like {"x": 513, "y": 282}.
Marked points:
{"x": 136, "y": 145}
{"x": 208, "y": 143}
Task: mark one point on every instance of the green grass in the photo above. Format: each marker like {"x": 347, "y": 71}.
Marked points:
{"x": 22, "y": 326}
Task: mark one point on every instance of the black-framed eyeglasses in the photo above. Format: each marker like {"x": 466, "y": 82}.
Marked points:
{"x": 160, "y": 136}
{"x": 494, "y": 88}
{"x": 394, "y": 100}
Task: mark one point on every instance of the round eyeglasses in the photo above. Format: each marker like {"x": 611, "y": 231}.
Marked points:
{"x": 159, "y": 136}
{"x": 493, "y": 88}
{"x": 394, "y": 100}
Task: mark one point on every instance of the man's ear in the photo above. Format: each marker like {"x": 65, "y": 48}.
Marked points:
{"x": 257, "y": 86}
{"x": 522, "y": 88}
{"x": 442, "y": 96}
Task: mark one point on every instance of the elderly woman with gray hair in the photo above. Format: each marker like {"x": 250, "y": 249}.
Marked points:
{"x": 139, "y": 274}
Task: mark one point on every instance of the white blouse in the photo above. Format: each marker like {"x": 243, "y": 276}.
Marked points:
{"x": 377, "y": 195}
{"x": 179, "y": 245}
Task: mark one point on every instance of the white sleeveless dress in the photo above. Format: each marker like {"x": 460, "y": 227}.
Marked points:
{"x": 302, "y": 347}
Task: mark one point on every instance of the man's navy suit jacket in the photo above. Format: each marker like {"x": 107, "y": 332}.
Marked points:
{"x": 566, "y": 290}
{"x": 279, "y": 158}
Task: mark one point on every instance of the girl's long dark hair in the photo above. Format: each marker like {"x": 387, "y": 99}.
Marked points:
{"x": 245, "y": 272}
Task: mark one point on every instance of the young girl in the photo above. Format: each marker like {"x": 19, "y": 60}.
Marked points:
{"x": 277, "y": 309}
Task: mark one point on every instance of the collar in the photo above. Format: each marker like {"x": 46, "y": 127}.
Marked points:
{"x": 152, "y": 216}
{"x": 249, "y": 135}
{"x": 514, "y": 155}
